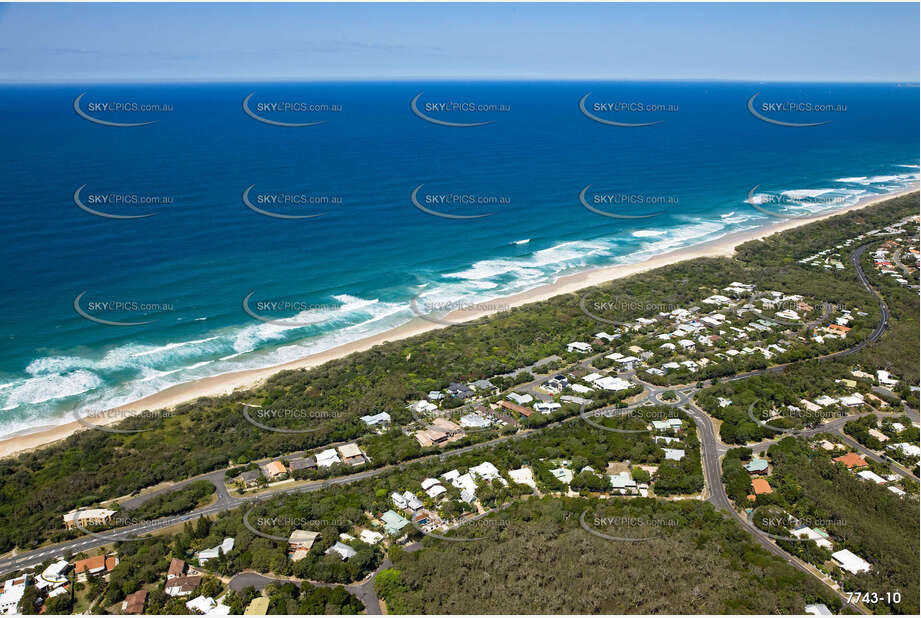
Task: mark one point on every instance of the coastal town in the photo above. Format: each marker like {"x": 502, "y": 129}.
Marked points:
{"x": 662, "y": 385}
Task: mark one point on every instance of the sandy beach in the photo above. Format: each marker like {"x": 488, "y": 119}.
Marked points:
{"x": 229, "y": 382}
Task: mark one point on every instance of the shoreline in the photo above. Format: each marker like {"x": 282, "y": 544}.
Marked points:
{"x": 227, "y": 383}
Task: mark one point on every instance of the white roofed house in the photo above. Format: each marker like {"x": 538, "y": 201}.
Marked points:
{"x": 812, "y": 535}
{"x": 474, "y": 420}
{"x": 485, "y": 471}
{"x": 208, "y": 554}
{"x": 422, "y": 406}
{"x": 868, "y": 475}
{"x": 327, "y": 458}
{"x": 398, "y": 500}
{"x": 851, "y": 562}
{"x": 546, "y": 407}
{"x": 433, "y": 487}
{"x": 465, "y": 482}
{"x": 612, "y": 384}
{"x": 675, "y": 454}
{"x": 519, "y": 399}
{"x": 381, "y": 419}
{"x": 578, "y": 346}
{"x": 344, "y": 551}
{"x": 412, "y": 502}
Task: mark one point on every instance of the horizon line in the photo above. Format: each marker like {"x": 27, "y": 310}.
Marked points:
{"x": 369, "y": 79}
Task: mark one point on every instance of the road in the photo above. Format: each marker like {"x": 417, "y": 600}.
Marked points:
{"x": 712, "y": 451}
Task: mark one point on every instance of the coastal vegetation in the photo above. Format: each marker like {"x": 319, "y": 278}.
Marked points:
{"x": 37, "y": 488}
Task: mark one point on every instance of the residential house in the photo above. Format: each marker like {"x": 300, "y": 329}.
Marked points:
{"x": 250, "y": 478}
{"x": 519, "y": 399}
{"x": 302, "y": 463}
{"x": 134, "y": 603}
{"x": 275, "y": 470}
{"x": 87, "y": 517}
{"x": 182, "y": 586}
{"x": 177, "y": 568}
{"x": 813, "y": 535}
{"x": 761, "y": 486}
{"x": 351, "y": 454}
{"x": 300, "y": 542}
{"x": 851, "y": 460}
{"x": 393, "y": 522}
{"x": 370, "y": 537}
{"x": 508, "y": 405}
{"x": 381, "y": 419}
{"x": 209, "y": 554}
{"x": 344, "y": 551}
{"x": 850, "y": 562}
{"x": 579, "y": 347}
{"x": 97, "y": 565}
{"x": 257, "y": 607}
{"x": 869, "y": 475}
{"x": 459, "y": 391}
{"x": 483, "y": 387}
{"x": 327, "y": 458}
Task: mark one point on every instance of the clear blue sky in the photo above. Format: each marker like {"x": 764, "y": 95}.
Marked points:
{"x": 227, "y": 42}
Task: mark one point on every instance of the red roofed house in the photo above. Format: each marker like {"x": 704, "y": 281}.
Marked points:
{"x": 761, "y": 486}
{"x": 852, "y": 460}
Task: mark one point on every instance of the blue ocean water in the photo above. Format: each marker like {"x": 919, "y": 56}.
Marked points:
{"x": 352, "y": 271}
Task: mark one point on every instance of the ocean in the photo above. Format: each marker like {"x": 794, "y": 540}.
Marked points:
{"x": 263, "y": 242}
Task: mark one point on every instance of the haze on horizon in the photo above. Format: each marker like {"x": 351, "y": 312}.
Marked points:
{"x": 846, "y": 42}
